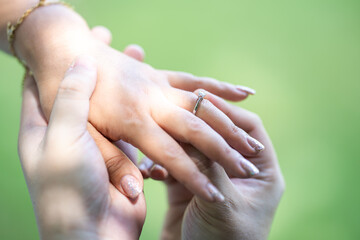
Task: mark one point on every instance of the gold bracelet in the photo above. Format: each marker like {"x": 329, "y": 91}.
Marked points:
{"x": 12, "y": 28}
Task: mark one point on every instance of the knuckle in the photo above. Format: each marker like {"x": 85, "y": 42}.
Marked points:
{"x": 237, "y": 132}
{"x": 71, "y": 85}
{"x": 172, "y": 152}
{"x": 197, "y": 80}
{"x": 113, "y": 164}
{"x": 228, "y": 151}
{"x": 234, "y": 130}
{"x": 192, "y": 178}
{"x": 193, "y": 125}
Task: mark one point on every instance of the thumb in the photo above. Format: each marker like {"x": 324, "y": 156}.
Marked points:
{"x": 71, "y": 106}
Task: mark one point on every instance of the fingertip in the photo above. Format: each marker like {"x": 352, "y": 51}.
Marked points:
{"x": 157, "y": 172}
{"x": 144, "y": 166}
{"x": 135, "y": 51}
{"x": 102, "y": 33}
{"x": 215, "y": 193}
{"x": 249, "y": 167}
{"x": 246, "y": 90}
{"x": 131, "y": 186}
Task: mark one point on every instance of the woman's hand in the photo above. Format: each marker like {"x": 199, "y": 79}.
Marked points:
{"x": 139, "y": 104}
{"x": 65, "y": 171}
{"x": 249, "y": 205}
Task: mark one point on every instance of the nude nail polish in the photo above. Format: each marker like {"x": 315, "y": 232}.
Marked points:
{"x": 215, "y": 193}
{"x": 255, "y": 144}
{"x": 249, "y": 167}
{"x": 130, "y": 186}
{"x": 246, "y": 89}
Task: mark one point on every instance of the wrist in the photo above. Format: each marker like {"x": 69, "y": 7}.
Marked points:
{"x": 47, "y": 35}
{"x": 48, "y": 41}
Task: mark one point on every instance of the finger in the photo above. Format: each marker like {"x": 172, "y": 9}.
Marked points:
{"x": 157, "y": 172}
{"x": 241, "y": 117}
{"x": 135, "y": 51}
{"x": 189, "y": 82}
{"x": 252, "y": 124}
{"x": 71, "y": 106}
{"x": 123, "y": 173}
{"x": 213, "y": 171}
{"x": 221, "y": 123}
{"x": 166, "y": 152}
{"x": 130, "y": 151}
{"x": 144, "y": 166}
{"x": 186, "y": 127}
{"x": 102, "y": 33}
{"x": 217, "y": 120}
{"x": 150, "y": 169}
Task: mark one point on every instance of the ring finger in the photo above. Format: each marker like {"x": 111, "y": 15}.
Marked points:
{"x": 187, "y": 128}
{"x": 217, "y": 120}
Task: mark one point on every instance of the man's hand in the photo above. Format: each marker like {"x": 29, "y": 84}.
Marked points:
{"x": 249, "y": 205}
{"x": 65, "y": 171}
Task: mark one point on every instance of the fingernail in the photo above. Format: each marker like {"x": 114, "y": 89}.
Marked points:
{"x": 246, "y": 89}
{"x": 249, "y": 167}
{"x": 130, "y": 186}
{"x": 255, "y": 144}
{"x": 156, "y": 167}
{"x": 215, "y": 193}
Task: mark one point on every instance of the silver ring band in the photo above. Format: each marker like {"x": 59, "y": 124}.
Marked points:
{"x": 201, "y": 96}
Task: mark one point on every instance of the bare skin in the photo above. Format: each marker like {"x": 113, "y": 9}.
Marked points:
{"x": 249, "y": 205}
{"x": 132, "y": 101}
{"x": 65, "y": 171}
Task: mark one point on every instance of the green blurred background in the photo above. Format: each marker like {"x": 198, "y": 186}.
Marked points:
{"x": 302, "y": 57}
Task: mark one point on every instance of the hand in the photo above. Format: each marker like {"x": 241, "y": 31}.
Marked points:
{"x": 141, "y": 105}
{"x": 65, "y": 172}
{"x": 249, "y": 205}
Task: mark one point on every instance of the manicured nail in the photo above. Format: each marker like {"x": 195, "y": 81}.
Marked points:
{"x": 215, "y": 193}
{"x": 249, "y": 167}
{"x": 255, "y": 144}
{"x": 246, "y": 89}
{"x": 130, "y": 186}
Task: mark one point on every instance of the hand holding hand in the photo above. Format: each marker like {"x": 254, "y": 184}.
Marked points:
{"x": 65, "y": 171}
{"x": 150, "y": 110}
{"x": 249, "y": 205}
